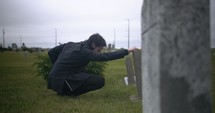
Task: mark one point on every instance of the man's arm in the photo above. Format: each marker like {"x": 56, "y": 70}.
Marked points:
{"x": 94, "y": 56}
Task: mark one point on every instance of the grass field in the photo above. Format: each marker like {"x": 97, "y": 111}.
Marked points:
{"x": 22, "y": 92}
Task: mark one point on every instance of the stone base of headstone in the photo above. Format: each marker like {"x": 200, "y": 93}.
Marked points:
{"x": 135, "y": 98}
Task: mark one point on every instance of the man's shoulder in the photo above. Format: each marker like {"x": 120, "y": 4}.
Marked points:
{"x": 85, "y": 49}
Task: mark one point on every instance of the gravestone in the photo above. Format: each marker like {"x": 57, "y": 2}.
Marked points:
{"x": 130, "y": 70}
{"x": 176, "y": 56}
{"x": 137, "y": 70}
{"x": 14, "y": 47}
{"x": 26, "y": 53}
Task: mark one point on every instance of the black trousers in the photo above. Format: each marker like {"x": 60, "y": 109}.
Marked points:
{"x": 93, "y": 83}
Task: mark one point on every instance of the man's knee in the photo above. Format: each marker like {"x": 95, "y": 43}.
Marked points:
{"x": 97, "y": 81}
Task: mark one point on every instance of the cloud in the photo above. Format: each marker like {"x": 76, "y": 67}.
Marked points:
{"x": 75, "y": 20}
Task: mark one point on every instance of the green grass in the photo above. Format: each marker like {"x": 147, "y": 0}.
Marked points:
{"x": 22, "y": 92}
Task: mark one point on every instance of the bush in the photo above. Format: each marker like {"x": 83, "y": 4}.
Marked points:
{"x": 97, "y": 68}
{"x": 1, "y": 49}
{"x": 44, "y": 65}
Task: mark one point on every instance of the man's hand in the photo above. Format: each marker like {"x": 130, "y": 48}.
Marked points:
{"x": 132, "y": 49}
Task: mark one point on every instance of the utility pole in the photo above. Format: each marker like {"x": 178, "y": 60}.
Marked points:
{"x": 55, "y": 36}
{"x": 3, "y": 38}
{"x": 20, "y": 39}
{"x": 114, "y": 42}
{"x": 128, "y": 33}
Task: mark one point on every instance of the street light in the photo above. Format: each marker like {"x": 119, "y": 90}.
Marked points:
{"x": 55, "y": 36}
{"x": 128, "y": 33}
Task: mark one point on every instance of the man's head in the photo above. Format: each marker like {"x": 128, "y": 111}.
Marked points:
{"x": 96, "y": 42}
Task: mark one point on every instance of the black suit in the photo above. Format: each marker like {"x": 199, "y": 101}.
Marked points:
{"x": 68, "y": 62}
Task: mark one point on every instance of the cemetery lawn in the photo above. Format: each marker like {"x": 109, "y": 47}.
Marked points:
{"x": 22, "y": 91}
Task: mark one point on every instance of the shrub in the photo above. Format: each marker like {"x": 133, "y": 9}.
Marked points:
{"x": 44, "y": 65}
{"x": 1, "y": 49}
{"x": 97, "y": 68}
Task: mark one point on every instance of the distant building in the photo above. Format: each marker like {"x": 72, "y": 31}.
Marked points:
{"x": 14, "y": 47}
{"x": 113, "y": 47}
{"x": 109, "y": 47}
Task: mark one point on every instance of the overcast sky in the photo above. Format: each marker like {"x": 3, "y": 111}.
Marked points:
{"x": 75, "y": 20}
{"x": 34, "y": 21}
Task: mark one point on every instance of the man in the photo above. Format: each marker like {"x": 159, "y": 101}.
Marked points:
{"x": 67, "y": 77}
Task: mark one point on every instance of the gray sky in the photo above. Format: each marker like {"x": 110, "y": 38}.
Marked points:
{"x": 75, "y": 20}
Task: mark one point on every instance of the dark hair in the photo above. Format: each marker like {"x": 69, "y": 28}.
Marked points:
{"x": 97, "y": 39}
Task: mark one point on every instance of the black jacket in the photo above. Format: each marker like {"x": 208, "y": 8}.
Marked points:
{"x": 70, "y": 59}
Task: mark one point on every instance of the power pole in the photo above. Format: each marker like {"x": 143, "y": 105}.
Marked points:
{"x": 128, "y": 33}
{"x": 55, "y": 36}
{"x": 114, "y": 42}
{"x": 20, "y": 39}
{"x": 3, "y": 38}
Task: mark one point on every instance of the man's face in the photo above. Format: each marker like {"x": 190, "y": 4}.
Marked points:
{"x": 98, "y": 49}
